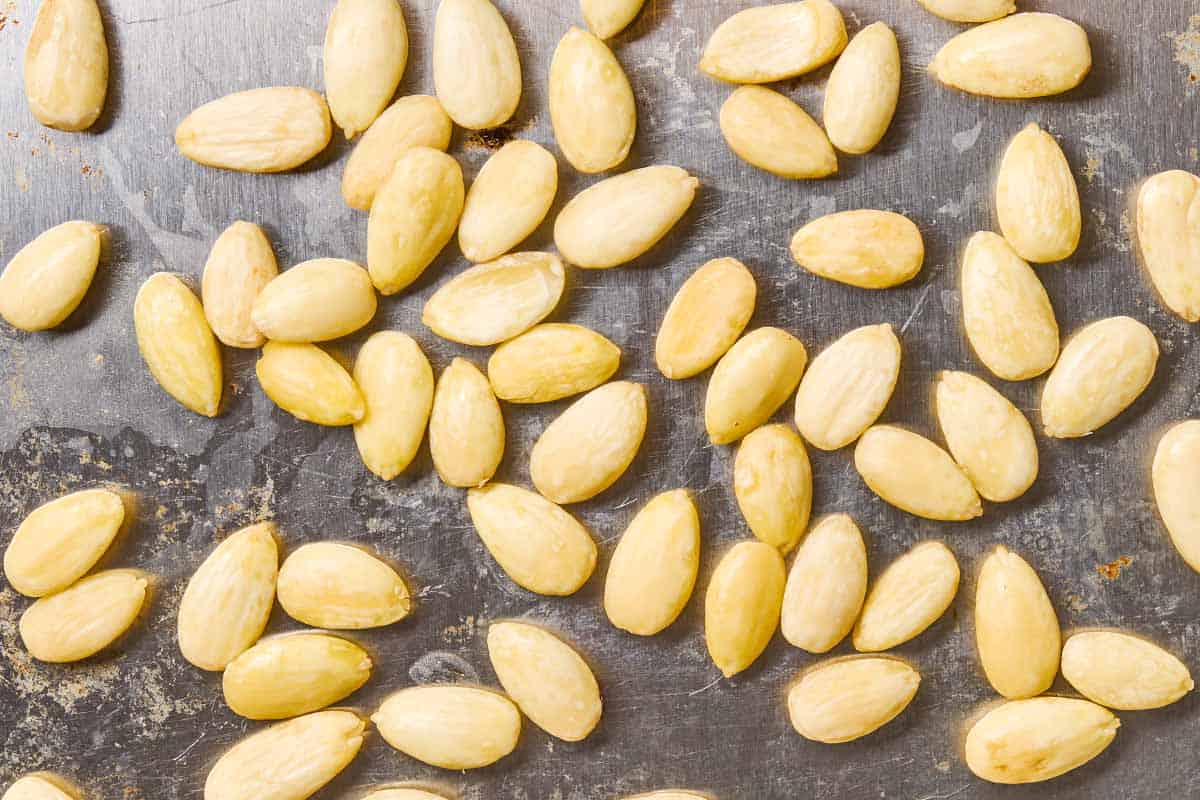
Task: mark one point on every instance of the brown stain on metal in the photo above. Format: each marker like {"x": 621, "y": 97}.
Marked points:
{"x": 490, "y": 138}
{"x": 1112, "y": 570}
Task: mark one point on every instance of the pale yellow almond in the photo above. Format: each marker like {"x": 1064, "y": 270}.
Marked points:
{"x": 47, "y": 279}
{"x": 607, "y": 18}
{"x": 1037, "y": 201}
{"x": 1006, "y": 311}
{"x": 452, "y": 727}
{"x": 309, "y": 384}
{"x": 40, "y": 786}
{"x": 970, "y": 10}
{"x": 228, "y": 600}
{"x": 466, "y": 426}
{"x": 1026, "y": 741}
{"x": 987, "y": 435}
{"x": 706, "y": 316}
{"x": 848, "y": 386}
{"x": 259, "y": 130}
{"x": 591, "y": 444}
{"x": 751, "y": 381}
{"x": 1103, "y": 369}
{"x": 66, "y": 64}
{"x": 476, "y": 70}
{"x": 862, "y": 91}
{"x": 177, "y": 344}
{"x": 1168, "y": 232}
{"x": 551, "y": 361}
{"x": 84, "y": 619}
{"x": 1123, "y": 672}
{"x": 366, "y": 50}
{"x": 768, "y": 130}
{"x": 341, "y": 587}
{"x": 772, "y": 481}
{"x": 915, "y": 475}
{"x": 864, "y": 248}
{"x": 911, "y": 594}
{"x": 288, "y": 761}
{"x": 591, "y": 103}
{"x": 287, "y": 676}
{"x": 413, "y": 216}
{"x": 1022, "y": 56}
{"x": 537, "y": 544}
{"x": 653, "y": 569}
{"x": 769, "y": 43}
{"x": 396, "y": 381}
{"x": 414, "y": 121}
{"x": 318, "y": 300}
{"x": 547, "y": 679}
{"x": 742, "y": 605}
{"x": 61, "y": 540}
{"x": 239, "y": 265}
{"x": 508, "y": 200}
{"x": 1016, "y": 629}
{"x": 405, "y": 793}
{"x": 612, "y": 222}
{"x": 1176, "y": 474}
{"x": 846, "y": 699}
{"x": 826, "y": 585}
{"x": 493, "y": 302}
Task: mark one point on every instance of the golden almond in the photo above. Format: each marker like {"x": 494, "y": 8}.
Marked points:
{"x": 1123, "y": 671}
{"x": 1016, "y": 629}
{"x": 414, "y": 121}
{"x": 1037, "y": 201}
{"x": 826, "y": 585}
{"x": 864, "y": 248}
{"x": 366, "y": 50}
{"x": 768, "y": 130}
{"x": 751, "y": 381}
{"x": 862, "y": 91}
{"x": 1168, "y": 232}
{"x": 338, "y": 586}
{"x": 322, "y": 299}
{"x": 915, "y": 475}
{"x": 309, "y": 384}
{"x": 84, "y": 619}
{"x": 987, "y": 435}
{"x": 476, "y": 70}
{"x": 466, "y": 427}
{"x": 508, "y": 200}
{"x": 607, "y": 18}
{"x": 769, "y": 43}
{"x": 292, "y": 675}
{"x": 772, "y": 481}
{"x": 537, "y": 544}
{"x": 550, "y": 362}
{"x": 707, "y": 315}
{"x": 177, "y": 344}
{"x": 47, "y": 279}
{"x": 910, "y": 595}
{"x": 239, "y": 265}
{"x": 451, "y": 726}
{"x": 742, "y": 605}
{"x": 1025, "y": 741}
{"x": 591, "y": 103}
{"x": 1176, "y": 474}
{"x": 40, "y": 786}
{"x": 970, "y": 10}
{"x": 848, "y": 698}
{"x": 491, "y": 303}
{"x": 396, "y": 381}
{"x": 591, "y": 444}
{"x": 66, "y": 64}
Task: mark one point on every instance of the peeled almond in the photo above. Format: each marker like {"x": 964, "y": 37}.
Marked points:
{"x": 466, "y": 427}
{"x": 177, "y": 344}
{"x": 40, "y": 786}
{"x": 287, "y": 676}
{"x": 366, "y": 50}
{"x": 47, "y": 279}
{"x": 404, "y": 793}
{"x": 396, "y": 381}
{"x": 239, "y": 265}
{"x": 451, "y": 726}
{"x": 826, "y": 585}
{"x": 861, "y": 94}
{"x": 669, "y": 794}
{"x": 591, "y": 103}
{"x": 550, "y": 362}
{"x": 1037, "y": 201}
{"x": 1026, "y": 741}
{"x": 769, "y": 131}
{"x": 910, "y": 595}
{"x": 66, "y": 64}
{"x": 970, "y": 10}
{"x": 1176, "y": 474}
{"x": 86, "y": 618}
{"x": 339, "y": 586}
{"x": 707, "y": 315}
{"x": 846, "y": 699}
{"x": 1016, "y": 629}
{"x": 770, "y": 43}
{"x": 1168, "y": 233}
{"x": 772, "y": 481}
{"x": 322, "y": 299}
{"x": 1123, "y": 671}
{"x": 414, "y": 121}
{"x": 864, "y": 248}
{"x": 915, "y": 475}
{"x": 607, "y": 18}
{"x": 752, "y": 380}
{"x": 741, "y": 607}
{"x": 309, "y": 384}
{"x": 509, "y": 199}
{"x": 476, "y": 69}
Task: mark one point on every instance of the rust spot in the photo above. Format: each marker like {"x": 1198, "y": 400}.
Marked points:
{"x": 86, "y": 169}
{"x": 491, "y": 138}
{"x": 13, "y": 135}
{"x": 1112, "y": 570}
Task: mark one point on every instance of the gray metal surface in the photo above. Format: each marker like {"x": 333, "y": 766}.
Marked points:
{"x": 79, "y": 408}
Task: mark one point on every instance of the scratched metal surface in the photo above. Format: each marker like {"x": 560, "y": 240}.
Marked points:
{"x": 79, "y": 408}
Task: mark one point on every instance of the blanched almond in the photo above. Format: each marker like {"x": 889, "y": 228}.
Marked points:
{"x": 547, "y": 679}
{"x": 607, "y": 18}
{"x": 707, "y": 315}
{"x": 309, "y": 384}
{"x": 452, "y": 727}
{"x": 772, "y": 481}
{"x": 865, "y": 248}
{"x": 1123, "y": 672}
{"x": 338, "y": 586}
{"x": 591, "y": 444}
{"x": 322, "y": 299}
{"x": 618, "y": 219}
{"x": 538, "y": 544}
{"x": 397, "y": 386}
{"x": 413, "y": 216}
{"x": 1176, "y": 474}
{"x": 1016, "y": 629}
{"x": 987, "y": 435}
{"x": 970, "y": 10}
{"x": 591, "y": 103}
{"x": 61, "y": 540}
{"x": 826, "y": 585}
{"x": 1168, "y": 232}
{"x": 1025, "y": 55}
{"x": 1037, "y": 201}
{"x": 414, "y": 121}
{"x": 914, "y": 474}
{"x": 910, "y": 595}
{"x": 766, "y": 129}
{"x": 550, "y": 362}
{"x": 84, "y": 619}
{"x": 741, "y": 607}
{"x": 508, "y": 200}
{"x": 239, "y": 265}
{"x": 366, "y": 50}
{"x": 1025, "y": 741}
{"x": 228, "y": 600}
{"x": 40, "y": 786}
{"x": 177, "y": 344}
{"x": 476, "y": 70}
{"x": 773, "y": 42}
{"x": 751, "y": 381}
{"x": 287, "y": 676}
{"x": 66, "y": 64}
{"x": 259, "y": 130}
{"x": 848, "y": 386}
{"x": 846, "y": 699}
{"x": 466, "y": 427}
{"x": 861, "y": 94}
{"x": 404, "y": 793}
{"x": 1103, "y": 369}
{"x": 47, "y": 279}
{"x": 653, "y": 569}
{"x": 1006, "y": 311}
{"x": 491, "y": 303}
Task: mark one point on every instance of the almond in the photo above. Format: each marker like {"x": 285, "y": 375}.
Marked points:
{"x": 707, "y": 315}
{"x": 338, "y": 586}
{"x": 397, "y": 386}
{"x": 466, "y": 427}
{"x": 47, "y": 279}
{"x": 846, "y": 699}
{"x": 591, "y": 103}
{"x": 66, "y": 65}
{"x": 772, "y": 481}
{"x": 309, "y": 384}
{"x": 1176, "y": 474}
{"x": 769, "y": 131}
{"x": 1037, "y": 201}
{"x": 1025, "y": 741}
{"x": 751, "y": 381}
{"x": 1123, "y": 671}
{"x": 1016, "y": 629}
{"x": 861, "y": 94}
{"x": 509, "y": 199}
{"x": 414, "y": 121}
{"x": 177, "y": 344}
{"x": 322, "y": 299}
{"x": 1168, "y": 232}
{"x": 773, "y": 42}
{"x": 670, "y": 794}
{"x": 864, "y": 248}
{"x": 366, "y": 50}
{"x": 970, "y": 10}
{"x": 910, "y": 595}
{"x": 826, "y": 585}
{"x": 404, "y": 793}
{"x": 84, "y": 619}
{"x": 292, "y": 675}
{"x": 40, "y": 786}
{"x": 476, "y": 70}
{"x": 915, "y": 475}
{"x": 452, "y": 727}
{"x": 239, "y": 265}
{"x": 741, "y": 607}
{"x": 607, "y": 18}
{"x": 550, "y": 362}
